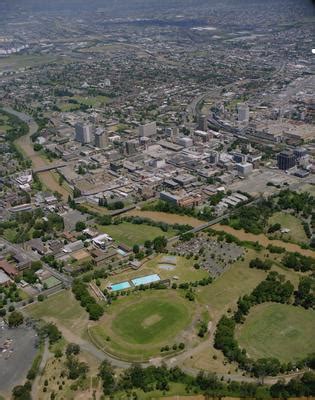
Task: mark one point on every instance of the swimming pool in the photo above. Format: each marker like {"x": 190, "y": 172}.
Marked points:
{"x": 145, "y": 280}
{"x": 120, "y": 286}
{"x": 121, "y": 252}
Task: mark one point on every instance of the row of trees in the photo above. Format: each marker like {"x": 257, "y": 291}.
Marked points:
{"x": 299, "y": 262}
{"x": 181, "y": 228}
{"x": 82, "y": 294}
{"x": 160, "y": 378}
{"x": 257, "y": 263}
{"x": 164, "y": 206}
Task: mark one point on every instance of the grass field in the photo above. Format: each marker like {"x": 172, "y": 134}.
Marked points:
{"x": 139, "y": 325}
{"x": 94, "y": 101}
{"x": 131, "y": 234}
{"x": 65, "y": 107}
{"x": 154, "y": 319}
{"x": 17, "y": 61}
{"x": 278, "y": 330}
{"x": 296, "y": 234}
{"x": 61, "y": 308}
{"x": 237, "y": 281}
{"x": 308, "y": 188}
{"x": 4, "y": 123}
{"x": 166, "y": 217}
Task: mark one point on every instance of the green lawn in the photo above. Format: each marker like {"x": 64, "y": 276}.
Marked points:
{"x": 131, "y": 234}
{"x": 237, "y": 281}
{"x": 139, "y": 325}
{"x": 94, "y": 101}
{"x": 183, "y": 269}
{"x": 65, "y": 107}
{"x": 296, "y": 234}
{"x": 4, "y": 123}
{"x": 63, "y": 309}
{"x": 9, "y": 234}
{"x": 278, "y": 330}
{"x": 27, "y": 60}
{"x": 308, "y": 188}
{"x": 51, "y": 282}
{"x": 154, "y": 319}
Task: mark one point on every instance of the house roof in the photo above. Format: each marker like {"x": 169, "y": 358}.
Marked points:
{"x": 8, "y": 268}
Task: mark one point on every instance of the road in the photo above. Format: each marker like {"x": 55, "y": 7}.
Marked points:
{"x": 45, "y": 358}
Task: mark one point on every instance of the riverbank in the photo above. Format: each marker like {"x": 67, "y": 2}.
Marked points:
{"x": 263, "y": 240}
{"x": 25, "y": 145}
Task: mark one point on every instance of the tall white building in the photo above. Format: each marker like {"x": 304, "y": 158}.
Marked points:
{"x": 243, "y": 112}
{"x": 147, "y": 129}
{"x": 83, "y": 133}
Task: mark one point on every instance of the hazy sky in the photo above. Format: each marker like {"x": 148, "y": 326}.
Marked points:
{"x": 133, "y": 7}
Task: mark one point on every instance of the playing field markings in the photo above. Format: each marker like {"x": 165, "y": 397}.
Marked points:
{"x": 153, "y": 319}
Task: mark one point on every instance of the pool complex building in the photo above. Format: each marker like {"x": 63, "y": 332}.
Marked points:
{"x": 143, "y": 280}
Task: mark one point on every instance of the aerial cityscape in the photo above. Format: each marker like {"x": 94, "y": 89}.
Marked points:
{"x": 157, "y": 199}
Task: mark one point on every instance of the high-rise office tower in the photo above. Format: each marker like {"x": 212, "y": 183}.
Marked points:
{"x": 243, "y": 112}
{"x": 203, "y": 123}
{"x": 83, "y": 133}
{"x": 286, "y": 160}
{"x": 131, "y": 147}
{"x": 101, "y": 138}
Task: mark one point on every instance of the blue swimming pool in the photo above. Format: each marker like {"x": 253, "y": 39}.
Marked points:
{"x": 145, "y": 280}
{"x": 120, "y": 286}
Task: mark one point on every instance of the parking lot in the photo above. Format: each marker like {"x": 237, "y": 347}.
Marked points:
{"x": 214, "y": 256}
{"x": 17, "y": 351}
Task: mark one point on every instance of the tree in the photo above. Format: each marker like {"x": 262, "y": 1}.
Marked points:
{"x": 104, "y": 219}
{"x": 260, "y": 264}
{"x": 117, "y": 205}
{"x": 136, "y": 248}
{"x": 159, "y": 244}
{"x": 22, "y": 392}
{"x": 37, "y": 147}
{"x": 95, "y": 311}
{"x": 107, "y": 374}
{"x": 40, "y": 297}
{"x": 266, "y": 366}
{"x": 148, "y": 244}
{"x": 15, "y": 319}
{"x": 80, "y": 226}
{"x": 76, "y": 368}
{"x": 304, "y": 295}
{"x": 76, "y": 193}
{"x": 52, "y": 332}
{"x": 72, "y": 348}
